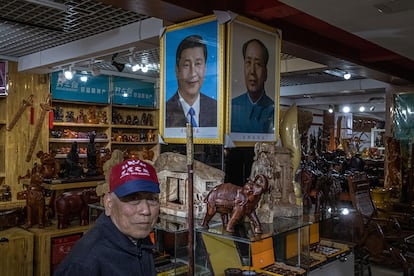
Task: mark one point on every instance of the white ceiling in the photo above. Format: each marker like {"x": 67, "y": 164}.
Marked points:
{"x": 393, "y": 28}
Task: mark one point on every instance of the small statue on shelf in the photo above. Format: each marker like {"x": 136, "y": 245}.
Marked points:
{"x": 135, "y": 120}
{"x": 72, "y": 165}
{"x": 150, "y": 136}
{"x": 103, "y": 119}
{"x": 91, "y": 154}
{"x": 58, "y": 114}
{"x": 81, "y": 118}
{"x": 144, "y": 119}
{"x": 92, "y": 119}
{"x": 70, "y": 116}
{"x": 128, "y": 120}
{"x": 149, "y": 120}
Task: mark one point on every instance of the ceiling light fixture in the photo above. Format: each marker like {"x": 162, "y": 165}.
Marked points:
{"x": 144, "y": 68}
{"x": 49, "y": 4}
{"x": 330, "y": 109}
{"x": 346, "y": 109}
{"x": 361, "y": 108}
{"x": 68, "y": 73}
{"x": 347, "y": 75}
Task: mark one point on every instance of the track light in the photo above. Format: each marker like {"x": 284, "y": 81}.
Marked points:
{"x": 347, "y": 75}
{"x": 330, "y": 109}
{"x": 119, "y": 66}
{"x": 68, "y": 73}
{"x": 346, "y": 109}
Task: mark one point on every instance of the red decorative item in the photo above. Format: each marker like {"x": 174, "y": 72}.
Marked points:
{"x": 32, "y": 115}
{"x": 51, "y": 116}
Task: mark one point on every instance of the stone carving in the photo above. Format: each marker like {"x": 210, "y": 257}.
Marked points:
{"x": 275, "y": 163}
{"x": 230, "y": 200}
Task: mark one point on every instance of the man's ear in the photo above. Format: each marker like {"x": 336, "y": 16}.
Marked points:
{"x": 107, "y": 201}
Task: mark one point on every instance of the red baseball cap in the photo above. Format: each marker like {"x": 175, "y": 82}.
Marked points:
{"x": 132, "y": 176}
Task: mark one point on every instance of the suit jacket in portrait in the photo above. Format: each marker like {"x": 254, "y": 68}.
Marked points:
{"x": 174, "y": 114}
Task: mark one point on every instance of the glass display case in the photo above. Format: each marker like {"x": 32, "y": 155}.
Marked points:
{"x": 288, "y": 246}
{"x": 284, "y": 246}
{"x": 171, "y": 241}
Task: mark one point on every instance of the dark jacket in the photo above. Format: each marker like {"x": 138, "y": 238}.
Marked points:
{"x": 104, "y": 250}
{"x": 174, "y": 115}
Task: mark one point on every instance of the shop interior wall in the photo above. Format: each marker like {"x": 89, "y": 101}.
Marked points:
{"x": 18, "y": 140}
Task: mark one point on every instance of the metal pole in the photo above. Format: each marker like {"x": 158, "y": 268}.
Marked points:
{"x": 190, "y": 200}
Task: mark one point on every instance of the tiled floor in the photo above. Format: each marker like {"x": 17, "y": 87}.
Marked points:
{"x": 382, "y": 271}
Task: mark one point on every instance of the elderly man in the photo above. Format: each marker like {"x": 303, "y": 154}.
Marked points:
{"x": 119, "y": 242}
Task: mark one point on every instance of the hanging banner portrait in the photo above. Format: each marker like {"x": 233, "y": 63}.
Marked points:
{"x": 253, "y": 52}
{"x": 191, "y": 84}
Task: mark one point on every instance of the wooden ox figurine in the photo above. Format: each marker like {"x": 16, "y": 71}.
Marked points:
{"x": 231, "y": 200}
{"x": 74, "y": 204}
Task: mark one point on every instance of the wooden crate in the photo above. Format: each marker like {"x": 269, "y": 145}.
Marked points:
{"x": 16, "y": 251}
{"x": 43, "y": 245}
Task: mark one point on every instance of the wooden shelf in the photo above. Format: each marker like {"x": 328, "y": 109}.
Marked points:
{"x": 134, "y": 143}
{"x": 69, "y": 124}
{"x": 70, "y": 140}
{"x": 149, "y": 108}
{"x": 134, "y": 127}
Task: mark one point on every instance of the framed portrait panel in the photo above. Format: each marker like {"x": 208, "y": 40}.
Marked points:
{"x": 192, "y": 81}
{"x": 253, "y": 59}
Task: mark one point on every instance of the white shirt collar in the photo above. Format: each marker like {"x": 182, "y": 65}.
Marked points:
{"x": 186, "y": 107}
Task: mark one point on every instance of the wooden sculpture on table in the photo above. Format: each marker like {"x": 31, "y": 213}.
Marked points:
{"x": 72, "y": 166}
{"x": 50, "y": 167}
{"x": 75, "y": 204}
{"x": 235, "y": 202}
{"x": 35, "y": 201}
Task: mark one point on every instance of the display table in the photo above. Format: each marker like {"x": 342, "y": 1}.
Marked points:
{"x": 16, "y": 251}
{"x": 52, "y": 244}
{"x": 57, "y": 187}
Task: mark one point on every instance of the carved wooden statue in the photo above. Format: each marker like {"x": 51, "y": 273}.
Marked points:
{"x": 36, "y": 207}
{"x": 50, "y": 167}
{"x": 74, "y": 204}
{"x": 237, "y": 202}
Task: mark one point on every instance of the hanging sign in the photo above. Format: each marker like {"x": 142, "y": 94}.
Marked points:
{"x": 133, "y": 92}
{"x": 81, "y": 88}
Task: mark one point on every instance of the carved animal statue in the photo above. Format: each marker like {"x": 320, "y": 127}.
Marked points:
{"x": 35, "y": 201}
{"x": 74, "y": 204}
{"x": 308, "y": 180}
{"x": 50, "y": 167}
{"x": 228, "y": 199}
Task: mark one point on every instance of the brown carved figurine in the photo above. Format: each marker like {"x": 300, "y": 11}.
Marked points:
{"x": 75, "y": 203}
{"x": 36, "y": 207}
{"x": 50, "y": 167}
{"x": 228, "y": 199}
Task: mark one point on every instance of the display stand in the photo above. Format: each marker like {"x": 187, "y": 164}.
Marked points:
{"x": 16, "y": 251}
{"x": 49, "y": 243}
